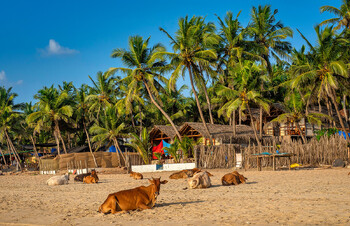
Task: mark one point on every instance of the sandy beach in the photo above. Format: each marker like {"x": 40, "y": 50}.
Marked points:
{"x": 281, "y": 197}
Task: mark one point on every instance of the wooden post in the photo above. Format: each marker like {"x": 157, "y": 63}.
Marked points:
{"x": 274, "y": 163}
{"x": 128, "y": 163}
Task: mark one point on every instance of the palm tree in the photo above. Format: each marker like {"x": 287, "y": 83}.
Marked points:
{"x": 53, "y": 107}
{"x": 141, "y": 144}
{"x": 246, "y": 76}
{"x": 110, "y": 129}
{"x": 269, "y": 35}
{"x": 82, "y": 114}
{"x": 101, "y": 94}
{"x": 295, "y": 108}
{"x": 342, "y": 14}
{"x": 191, "y": 51}
{"x": 325, "y": 68}
{"x": 143, "y": 67}
{"x": 8, "y": 118}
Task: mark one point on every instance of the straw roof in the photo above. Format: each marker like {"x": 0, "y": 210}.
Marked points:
{"x": 168, "y": 131}
{"x": 218, "y": 131}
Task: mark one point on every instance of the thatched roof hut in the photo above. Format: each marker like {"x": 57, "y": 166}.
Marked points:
{"x": 220, "y": 133}
{"x": 162, "y": 132}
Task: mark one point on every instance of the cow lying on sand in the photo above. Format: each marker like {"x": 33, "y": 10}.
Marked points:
{"x": 183, "y": 174}
{"x": 136, "y": 176}
{"x": 58, "y": 180}
{"x": 132, "y": 199}
{"x": 200, "y": 180}
{"x": 81, "y": 177}
{"x": 233, "y": 178}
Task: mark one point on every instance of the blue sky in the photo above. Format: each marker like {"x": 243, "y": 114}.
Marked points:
{"x": 48, "y": 42}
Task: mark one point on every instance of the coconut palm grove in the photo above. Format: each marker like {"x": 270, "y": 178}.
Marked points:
{"x": 229, "y": 70}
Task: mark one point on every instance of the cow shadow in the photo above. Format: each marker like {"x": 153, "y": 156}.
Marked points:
{"x": 177, "y": 203}
{"x": 252, "y": 182}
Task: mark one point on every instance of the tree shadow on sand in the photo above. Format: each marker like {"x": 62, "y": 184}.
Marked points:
{"x": 177, "y": 203}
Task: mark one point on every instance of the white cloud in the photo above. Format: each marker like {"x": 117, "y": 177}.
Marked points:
{"x": 54, "y": 48}
{"x": 4, "y": 81}
{"x": 2, "y": 75}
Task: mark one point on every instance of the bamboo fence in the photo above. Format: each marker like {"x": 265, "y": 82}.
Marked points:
{"x": 314, "y": 153}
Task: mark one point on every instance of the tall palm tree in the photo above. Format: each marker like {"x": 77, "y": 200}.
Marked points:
{"x": 325, "y": 68}
{"x": 191, "y": 51}
{"x": 53, "y": 107}
{"x": 342, "y": 14}
{"x": 246, "y": 77}
{"x": 101, "y": 94}
{"x": 8, "y": 118}
{"x": 143, "y": 69}
{"x": 268, "y": 35}
{"x": 110, "y": 129}
{"x": 83, "y": 116}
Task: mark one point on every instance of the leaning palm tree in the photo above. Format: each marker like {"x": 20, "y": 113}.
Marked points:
{"x": 143, "y": 69}
{"x": 53, "y": 107}
{"x": 342, "y": 14}
{"x": 268, "y": 35}
{"x": 193, "y": 48}
{"x": 109, "y": 130}
{"x": 325, "y": 67}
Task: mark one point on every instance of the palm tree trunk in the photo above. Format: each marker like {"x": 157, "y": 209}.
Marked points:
{"x": 60, "y": 137}
{"x": 345, "y": 111}
{"x": 89, "y": 143}
{"x": 57, "y": 142}
{"x": 239, "y": 116}
{"x": 253, "y": 125}
{"x": 13, "y": 150}
{"x": 234, "y": 122}
{"x": 199, "y": 105}
{"x": 119, "y": 149}
{"x": 3, "y": 157}
{"x": 208, "y": 102}
{"x": 35, "y": 151}
{"x": 161, "y": 110}
{"x": 332, "y": 96}
{"x": 268, "y": 64}
{"x": 261, "y": 122}
{"x": 140, "y": 112}
{"x": 301, "y": 133}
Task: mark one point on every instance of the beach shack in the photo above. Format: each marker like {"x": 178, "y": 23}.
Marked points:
{"x": 221, "y": 134}
{"x": 162, "y": 133}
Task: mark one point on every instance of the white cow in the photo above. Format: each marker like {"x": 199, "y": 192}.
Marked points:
{"x": 200, "y": 180}
{"x": 58, "y": 180}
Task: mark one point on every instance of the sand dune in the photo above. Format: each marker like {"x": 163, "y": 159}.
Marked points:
{"x": 282, "y": 197}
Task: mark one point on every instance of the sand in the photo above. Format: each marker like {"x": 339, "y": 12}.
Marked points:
{"x": 282, "y": 197}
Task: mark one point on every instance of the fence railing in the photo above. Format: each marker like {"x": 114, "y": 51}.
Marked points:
{"x": 314, "y": 153}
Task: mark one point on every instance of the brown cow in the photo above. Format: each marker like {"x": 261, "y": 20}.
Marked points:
{"x": 233, "y": 178}
{"x": 183, "y": 174}
{"x": 80, "y": 177}
{"x": 90, "y": 180}
{"x": 136, "y": 176}
{"x": 132, "y": 199}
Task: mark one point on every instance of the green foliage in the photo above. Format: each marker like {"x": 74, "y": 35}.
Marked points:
{"x": 173, "y": 150}
{"x": 141, "y": 145}
{"x": 325, "y": 132}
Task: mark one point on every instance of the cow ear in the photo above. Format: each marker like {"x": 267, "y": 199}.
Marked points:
{"x": 164, "y": 182}
{"x": 151, "y": 181}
